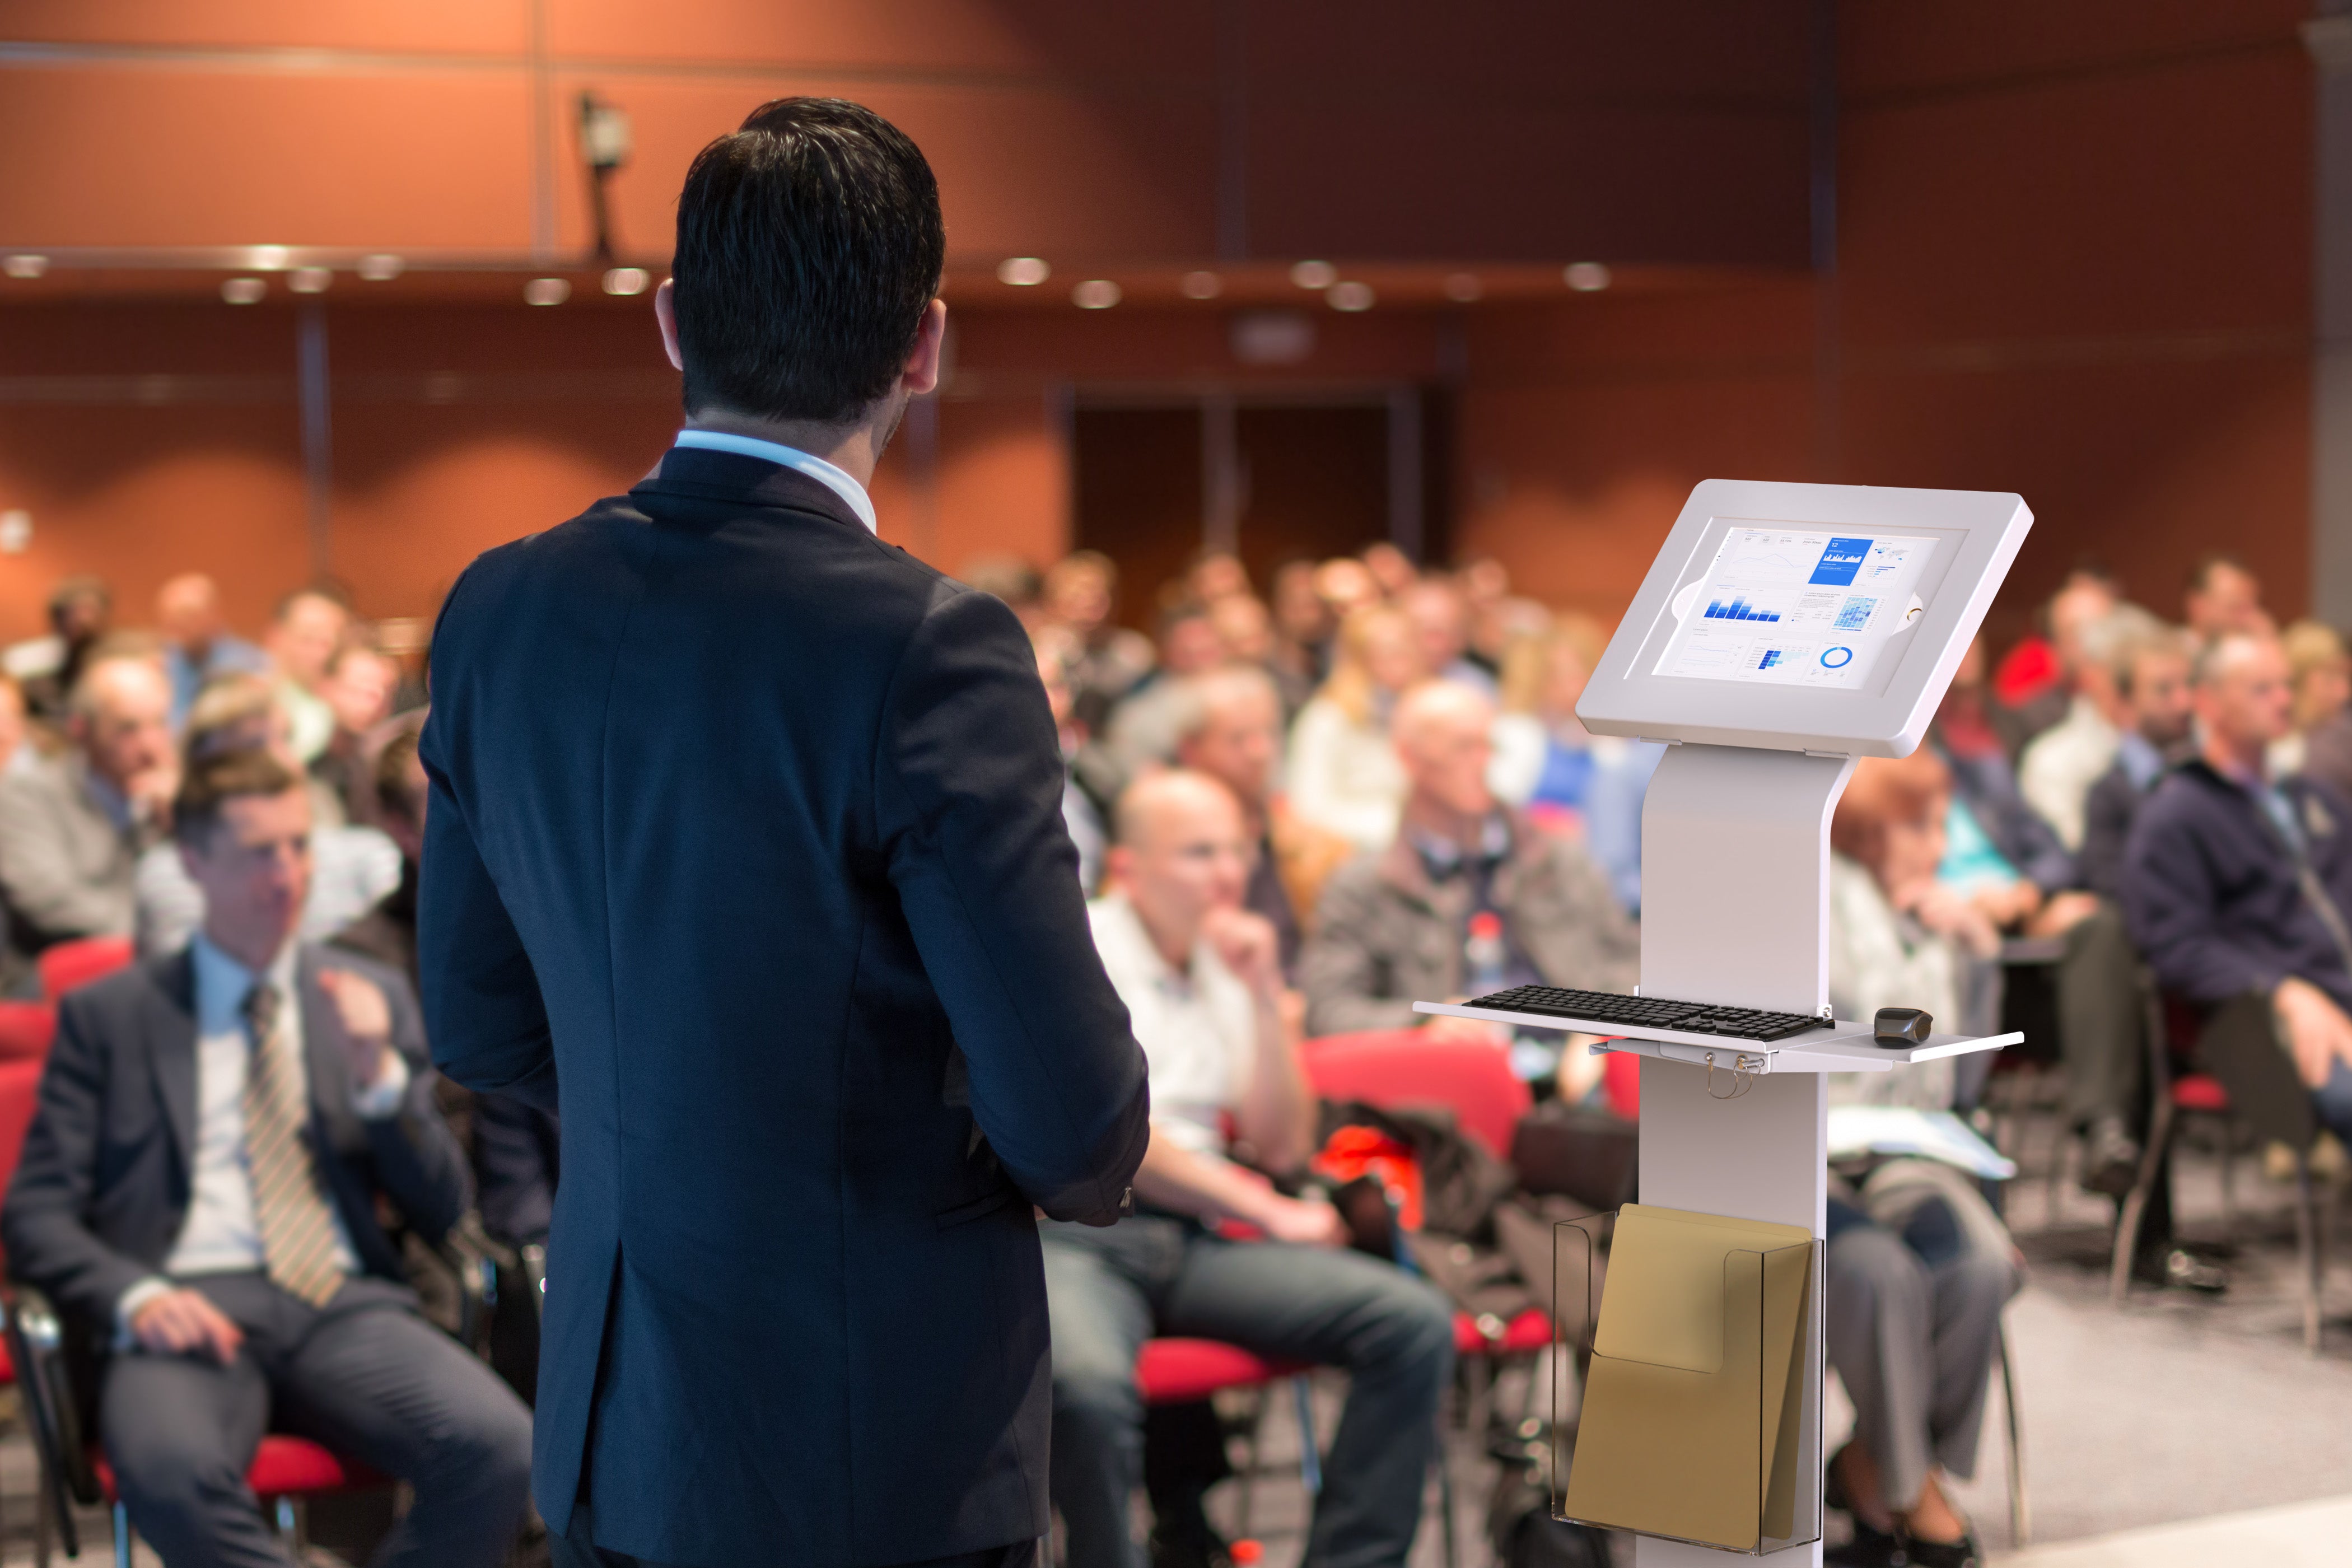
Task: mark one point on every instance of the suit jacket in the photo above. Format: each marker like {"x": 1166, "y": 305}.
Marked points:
{"x": 65, "y": 867}
{"x": 103, "y": 1185}
{"x": 1386, "y": 936}
{"x": 750, "y": 824}
{"x": 518, "y": 1160}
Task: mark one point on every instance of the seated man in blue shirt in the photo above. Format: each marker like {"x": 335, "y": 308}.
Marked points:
{"x": 2236, "y": 887}
{"x": 1201, "y": 980}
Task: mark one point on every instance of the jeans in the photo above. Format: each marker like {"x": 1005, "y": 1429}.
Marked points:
{"x": 1108, "y": 1290}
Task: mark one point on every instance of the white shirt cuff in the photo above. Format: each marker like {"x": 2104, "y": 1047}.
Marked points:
{"x": 382, "y": 1099}
{"x": 127, "y": 1307}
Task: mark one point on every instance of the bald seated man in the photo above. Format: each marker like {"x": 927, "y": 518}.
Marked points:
{"x": 1230, "y": 727}
{"x": 1394, "y": 926}
{"x": 1201, "y": 978}
{"x": 72, "y": 828}
{"x": 2237, "y": 889}
{"x": 198, "y": 645}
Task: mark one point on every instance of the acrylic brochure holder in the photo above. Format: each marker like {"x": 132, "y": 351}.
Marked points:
{"x": 1694, "y": 1352}
{"x": 1783, "y": 632}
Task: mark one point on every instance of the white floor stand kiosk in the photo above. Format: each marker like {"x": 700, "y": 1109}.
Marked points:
{"x": 1784, "y": 631}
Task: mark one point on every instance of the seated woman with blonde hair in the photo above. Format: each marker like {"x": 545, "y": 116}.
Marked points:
{"x": 1343, "y": 774}
{"x": 1919, "y": 1266}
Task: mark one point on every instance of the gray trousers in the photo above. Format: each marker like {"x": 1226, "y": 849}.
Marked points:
{"x": 2103, "y": 1022}
{"x": 366, "y": 1377}
{"x": 1108, "y": 1289}
{"x": 1917, "y": 1281}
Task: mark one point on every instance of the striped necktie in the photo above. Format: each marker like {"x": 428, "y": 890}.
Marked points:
{"x": 297, "y": 1232}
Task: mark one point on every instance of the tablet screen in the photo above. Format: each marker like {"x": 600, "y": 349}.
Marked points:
{"x": 1797, "y": 607}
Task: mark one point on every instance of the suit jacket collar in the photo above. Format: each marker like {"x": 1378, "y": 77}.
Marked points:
{"x": 173, "y": 1021}
{"x": 691, "y": 474}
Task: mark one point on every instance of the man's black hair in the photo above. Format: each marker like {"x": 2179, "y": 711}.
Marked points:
{"x": 809, "y": 245}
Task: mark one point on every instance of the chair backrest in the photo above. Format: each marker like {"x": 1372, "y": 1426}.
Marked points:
{"x": 25, "y": 1031}
{"x": 1621, "y": 1081}
{"x": 1396, "y": 1068}
{"x": 71, "y": 963}
{"x": 20, "y": 1084}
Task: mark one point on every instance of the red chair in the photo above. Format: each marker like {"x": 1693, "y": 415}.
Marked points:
{"x": 72, "y": 963}
{"x": 1177, "y": 1371}
{"x": 1396, "y": 1068}
{"x": 25, "y": 1031}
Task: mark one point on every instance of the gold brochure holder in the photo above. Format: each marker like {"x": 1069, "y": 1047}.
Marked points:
{"x": 1697, "y": 1349}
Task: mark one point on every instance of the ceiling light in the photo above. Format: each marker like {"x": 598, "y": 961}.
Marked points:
{"x": 243, "y": 290}
{"x": 380, "y": 268}
{"x": 1463, "y": 286}
{"x": 1023, "y": 271}
{"x": 1095, "y": 294}
{"x": 1351, "y": 296}
{"x": 1200, "y": 285}
{"x": 311, "y": 279}
{"x": 27, "y": 266}
{"x": 547, "y": 292}
{"x": 1315, "y": 275}
{"x": 1587, "y": 277}
{"x": 267, "y": 258}
{"x": 625, "y": 280}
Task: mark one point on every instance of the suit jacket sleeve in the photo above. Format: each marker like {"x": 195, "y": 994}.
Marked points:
{"x": 1345, "y": 978}
{"x": 968, "y": 791}
{"x": 417, "y": 1162}
{"x": 45, "y": 1222}
{"x": 517, "y": 1186}
{"x": 483, "y": 1012}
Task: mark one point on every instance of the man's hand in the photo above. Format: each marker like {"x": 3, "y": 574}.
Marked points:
{"x": 2317, "y": 1033}
{"x": 1309, "y": 1221}
{"x": 367, "y": 1024}
{"x": 1950, "y": 914}
{"x": 2063, "y": 913}
{"x": 1248, "y": 945}
{"x": 150, "y": 792}
{"x": 182, "y": 1321}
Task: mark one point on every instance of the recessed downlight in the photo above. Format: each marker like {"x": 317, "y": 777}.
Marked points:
{"x": 1587, "y": 277}
{"x": 1314, "y": 274}
{"x": 1023, "y": 271}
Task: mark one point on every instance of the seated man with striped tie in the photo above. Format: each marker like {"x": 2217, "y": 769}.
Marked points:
{"x": 201, "y": 1184}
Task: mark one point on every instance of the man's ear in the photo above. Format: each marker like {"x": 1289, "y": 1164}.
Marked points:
{"x": 923, "y": 372}
{"x": 666, "y": 314}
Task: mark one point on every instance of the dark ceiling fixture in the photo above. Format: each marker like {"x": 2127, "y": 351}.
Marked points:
{"x": 604, "y": 146}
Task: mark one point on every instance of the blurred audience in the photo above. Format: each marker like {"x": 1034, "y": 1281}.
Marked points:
{"x": 1303, "y": 624}
{"x": 1343, "y": 774}
{"x": 1081, "y": 590}
{"x": 198, "y": 646}
{"x": 1083, "y": 811}
{"x": 80, "y": 611}
{"x": 1230, "y": 730}
{"x": 72, "y": 827}
{"x": 2151, "y": 674}
{"x": 18, "y": 753}
{"x": 1566, "y": 779}
{"x": 2033, "y": 684}
{"x": 1142, "y": 731}
{"x": 2224, "y": 596}
{"x": 2235, "y": 884}
{"x": 305, "y": 635}
{"x": 2320, "y": 673}
{"x": 1202, "y": 979}
{"x": 2060, "y": 764}
{"x": 1395, "y": 925}
{"x": 1440, "y": 624}
{"x": 1392, "y": 571}
{"x": 359, "y": 689}
{"x": 1919, "y": 1267}
{"x": 351, "y": 868}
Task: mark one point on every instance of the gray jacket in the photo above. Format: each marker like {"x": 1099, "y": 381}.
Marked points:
{"x": 65, "y": 863}
{"x": 1386, "y": 937}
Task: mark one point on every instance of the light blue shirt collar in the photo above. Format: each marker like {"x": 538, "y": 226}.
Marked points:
{"x": 222, "y": 983}
{"x": 815, "y": 467}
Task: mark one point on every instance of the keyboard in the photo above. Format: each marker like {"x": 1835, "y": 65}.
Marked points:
{"x": 1652, "y": 1013}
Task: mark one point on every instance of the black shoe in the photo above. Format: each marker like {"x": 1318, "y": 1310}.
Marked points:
{"x": 1868, "y": 1549}
{"x": 2180, "y": 1270}
{"x": 2110, "y": 1158}
{"x": 1962, "y": 1553}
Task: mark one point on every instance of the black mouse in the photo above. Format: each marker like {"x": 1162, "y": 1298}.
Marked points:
{"x": 1900, "y": 1029}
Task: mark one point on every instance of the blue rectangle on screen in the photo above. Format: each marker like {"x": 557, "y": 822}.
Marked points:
{"x": 1841, "y": 559}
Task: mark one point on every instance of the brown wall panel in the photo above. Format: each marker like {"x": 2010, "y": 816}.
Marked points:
{"x": 1914, "y": 46}
{"x": 962, "y": 37}
{"x": 1021, "y": 170}
{"x": 2165, "y": 201}
{"x": 146, "y": 158}
{"x": 437, "y": 26}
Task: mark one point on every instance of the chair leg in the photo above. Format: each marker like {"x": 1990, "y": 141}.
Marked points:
{"x": 43, "y": 1525}
{"x": 1310, "y": 1458}
{"x": 290, "y": 1532}
{"x": 2306, "y": 1245}
{"x": 2135, "y": 1209}
{"x": 2020, "y": 1516}
{"x": 1249, "y": 1466}
{"x": 121, "y": 1536}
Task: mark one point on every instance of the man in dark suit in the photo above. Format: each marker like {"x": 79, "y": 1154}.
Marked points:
{"x": 201, "y": 1184}
{"x": 746, "y": 828}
